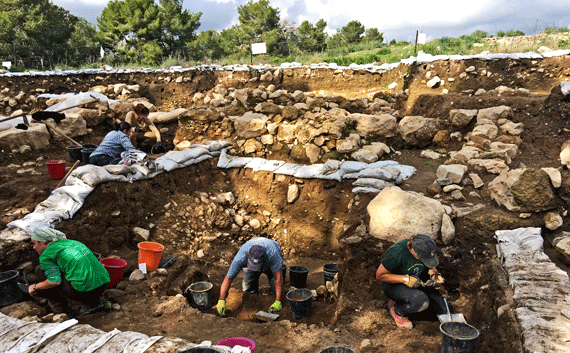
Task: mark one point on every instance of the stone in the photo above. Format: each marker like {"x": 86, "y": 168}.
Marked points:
{"x": 554, "y": 175}
{"x": 37, "y": 136}
{"x": 433, "y": 82}
{"x": 136, "y": 276}
{"x": 457, "y": 195}
{"x": 364, "y": 155}
{"x": 252, "y": 146}
{"x": 444, "y": 181}
{"x": 267, "y": 139}
{"x": 563, "y": 247}
{"x": 290, "y": 113}
{"x": 226, "y": 198}
{"x": 488, "y": 130}
{"x": 512, "y": 128}
{"x": 418, "y": 131}
{"x": 313, "y": 152}
{"x": 523, "y": 190}
{"x": 564, "y": 153}
{"x": 553, "y": 220}
{"x": 430, "y": 154}
{"x": 366, "y": 346}
{"x": 383, "y": 125}
{"x": 292, "y": 193}
{"x": 477, "y": 181}
{"x": 455, "y": 172}
{"x": 200, "y": 253}
{"x": 239, "y": 220}
{"x": 434, "y": 189}
{"x": 141, "y": 232}
{"x": 286, "y": 133}
{"x": 447, "y": 229}
{"x": 255, "y": 223}
{"x": 396, "y": 215}
{"x": 298, "y": 96}
{"x": 495, "y": 113}
{"x": 451, "y": 188}
{"x": 24, "y": 149}
{"x": 348, "y": 145}
{"x": 492, "y": 166}
{"x": 250, "y": 125}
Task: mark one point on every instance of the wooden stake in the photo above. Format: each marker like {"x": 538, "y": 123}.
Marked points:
{"x": 66, "y": 175}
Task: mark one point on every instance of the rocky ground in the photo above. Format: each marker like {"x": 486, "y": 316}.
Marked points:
{"x": 183, "y": 209}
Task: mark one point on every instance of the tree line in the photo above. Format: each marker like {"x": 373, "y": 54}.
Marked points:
{"x": 36, "y": 34}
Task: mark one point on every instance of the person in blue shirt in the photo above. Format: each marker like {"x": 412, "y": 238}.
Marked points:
{"x": 257, "y": 256}
{"x": 115, "y": 142}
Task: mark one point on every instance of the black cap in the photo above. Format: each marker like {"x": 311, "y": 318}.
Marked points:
{"x": 255, "y": 258}
{"x": 424, "y": 246}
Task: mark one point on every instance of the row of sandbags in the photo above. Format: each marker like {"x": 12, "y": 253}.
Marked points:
{"x": 541, "y": 290}
{"x": 370, "y": 177}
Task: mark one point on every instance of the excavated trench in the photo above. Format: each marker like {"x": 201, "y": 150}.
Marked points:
{"x": 181, "y": 210}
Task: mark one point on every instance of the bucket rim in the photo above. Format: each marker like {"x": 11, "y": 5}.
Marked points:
{"x": 11, "y": 276}
{"x": 210, "y": 285}
{"x": 141, "y": 245}
{"x": 55, "y": 162}
{"x": 300, "y": 269}
{"x": 122, "y": 265}
{"x": 456, "y": 337}
{"x": 301, "y": 290}
{"x": 229, "y": 339}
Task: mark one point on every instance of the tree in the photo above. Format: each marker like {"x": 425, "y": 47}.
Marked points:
{"x": 373, "y": 35}
{"x": 260, "y": 22}
{"x": 312, "y": 38}
{"x": 352, "y": 32}
{"x": 141, "y": 29}
{"x": 208, "y": 44}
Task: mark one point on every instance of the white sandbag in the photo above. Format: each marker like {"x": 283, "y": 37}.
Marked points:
{"x": 137, "y": 168}
{"x": 331, "y": 166}
{"x": 118, "y": 169}
{"x": 372, "y": 182}
{"x": 381, "y": 164}
{"x": 75, "y": 99}
{"x": 182, "y": 156}
{"x": 59, "y": 202}
{"x": 333, "y": 176}
{"x": 406, "y": 172}
{"x": 363, "y": 189}
{"x": 255, "y": 164}
{"x": 352, "y": 167}
{"x": 166, "y": 164}
{"x": 227, "y": 161}
{"x": 350, "y": 175}
{"x": 77, "y": 192}
{"x": 271, "y": 166}
{"x": 33, "y": 220}
{"x": 383, "y": 173}
{"x": 196, "y": 160}
{"x": 93, "y": 175}
{"x": 215, "y": 153}
{"x": 288, "y": 169}
{"x": 310, "y": 171}
{"x": 217, "y": 145}
{"x": 13, "y": 234}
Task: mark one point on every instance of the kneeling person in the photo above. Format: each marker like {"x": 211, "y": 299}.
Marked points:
{"x": 401, "y": 270}
{"x": 257, "y": 256}
{"x": 68, "y": 270}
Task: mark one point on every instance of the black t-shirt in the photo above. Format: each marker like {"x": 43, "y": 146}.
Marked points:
{"x": 400, "y": 261}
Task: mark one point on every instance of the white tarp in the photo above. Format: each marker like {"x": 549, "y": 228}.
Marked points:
{"x": 541, "y": 290}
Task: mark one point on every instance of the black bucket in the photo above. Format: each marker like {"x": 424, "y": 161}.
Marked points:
{"x": 329, "y": 270}
{"x": 201, "y": 350}
{"x": 458, "y": 337}
{"x": 298, "y": 276}
{"x": 338, "y": 350}
{"x": 300, "y": 302}
{"x": 74, "y": 152}
{"x": 85, "y": 153}
{"x": 10, "y": 292}
{"x": 200, "y": 295}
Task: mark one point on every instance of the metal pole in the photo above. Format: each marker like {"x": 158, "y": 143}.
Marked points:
{"x": 250, "y": 52}
{"x": 416, "y": 47}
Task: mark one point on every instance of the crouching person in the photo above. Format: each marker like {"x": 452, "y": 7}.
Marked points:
{"x": 401, "y": 272}
{"x": 68, "y": 270}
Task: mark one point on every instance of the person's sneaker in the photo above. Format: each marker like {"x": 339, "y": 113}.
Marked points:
{"x": 401, "y": 321}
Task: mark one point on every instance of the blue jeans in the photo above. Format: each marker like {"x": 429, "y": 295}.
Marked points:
{"x": 102, "y": 160}
{"x": 250, "y": 281}
{"x": 413, "y": 300}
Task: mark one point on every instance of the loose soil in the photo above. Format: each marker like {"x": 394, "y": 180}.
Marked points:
{"x": 178, "y": 209}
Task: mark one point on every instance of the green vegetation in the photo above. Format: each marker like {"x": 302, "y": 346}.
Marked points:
{"x": 38, "y": 35}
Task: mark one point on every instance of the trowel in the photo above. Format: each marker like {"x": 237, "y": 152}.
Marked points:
{"x": 265, "y": 316}
{"x": 448, "y": 317}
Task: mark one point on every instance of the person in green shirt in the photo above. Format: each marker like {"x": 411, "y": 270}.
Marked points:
{"x": 68, "y": 270}
{"x": 402, "y": 272}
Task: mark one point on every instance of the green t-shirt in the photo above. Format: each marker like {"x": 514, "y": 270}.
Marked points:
{"x": 75, "y": 262}
{"x": 400, "y": 261}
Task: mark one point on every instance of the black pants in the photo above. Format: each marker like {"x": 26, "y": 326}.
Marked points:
{"x": 102, "y": 160}
{"x": 413, "y": 300}
{"x": 58, "y": 296}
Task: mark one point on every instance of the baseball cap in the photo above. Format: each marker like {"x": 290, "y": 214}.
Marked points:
{"x": 255, "y": 258}
{"x": 424, "y": 246}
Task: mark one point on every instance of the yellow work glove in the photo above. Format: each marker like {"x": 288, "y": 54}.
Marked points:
{"x": 437, "y": 278}
{"x": 221, "y": 307}
{"x": 412, "y": 281}
{"x": 277, "y": 306}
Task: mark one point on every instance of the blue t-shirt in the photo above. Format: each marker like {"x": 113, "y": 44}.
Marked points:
{"x": 113, "y": 144}
{"x": 273, "y": 261}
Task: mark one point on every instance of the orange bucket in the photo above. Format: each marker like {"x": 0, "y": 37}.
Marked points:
{"x": 56, "y": 169}
{"x": 149, "y": 253}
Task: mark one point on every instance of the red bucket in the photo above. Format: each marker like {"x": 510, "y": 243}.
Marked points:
{"x": 234, "y": 341}
{"x": 56, "y": 169}
{"x": 116, "y": 269}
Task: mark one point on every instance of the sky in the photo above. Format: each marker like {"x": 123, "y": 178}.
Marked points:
{"x": 397, "y": 19}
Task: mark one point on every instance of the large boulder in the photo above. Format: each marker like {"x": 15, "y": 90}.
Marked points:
{"x": 396, "y": 215}
{"x": 92, "y": 117}
{"x": 455, "y": 172}
{"x": 250, "y": 125}
{"x": 37, "y": 136}
{"x": 523, "y": 190}
{"x": 460, "y": 118}
{"x": 418, "y": 131}
{"x": 495, "y": 113}
{"x": 71, "y": 126}
{"x": 384, "y": 125}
